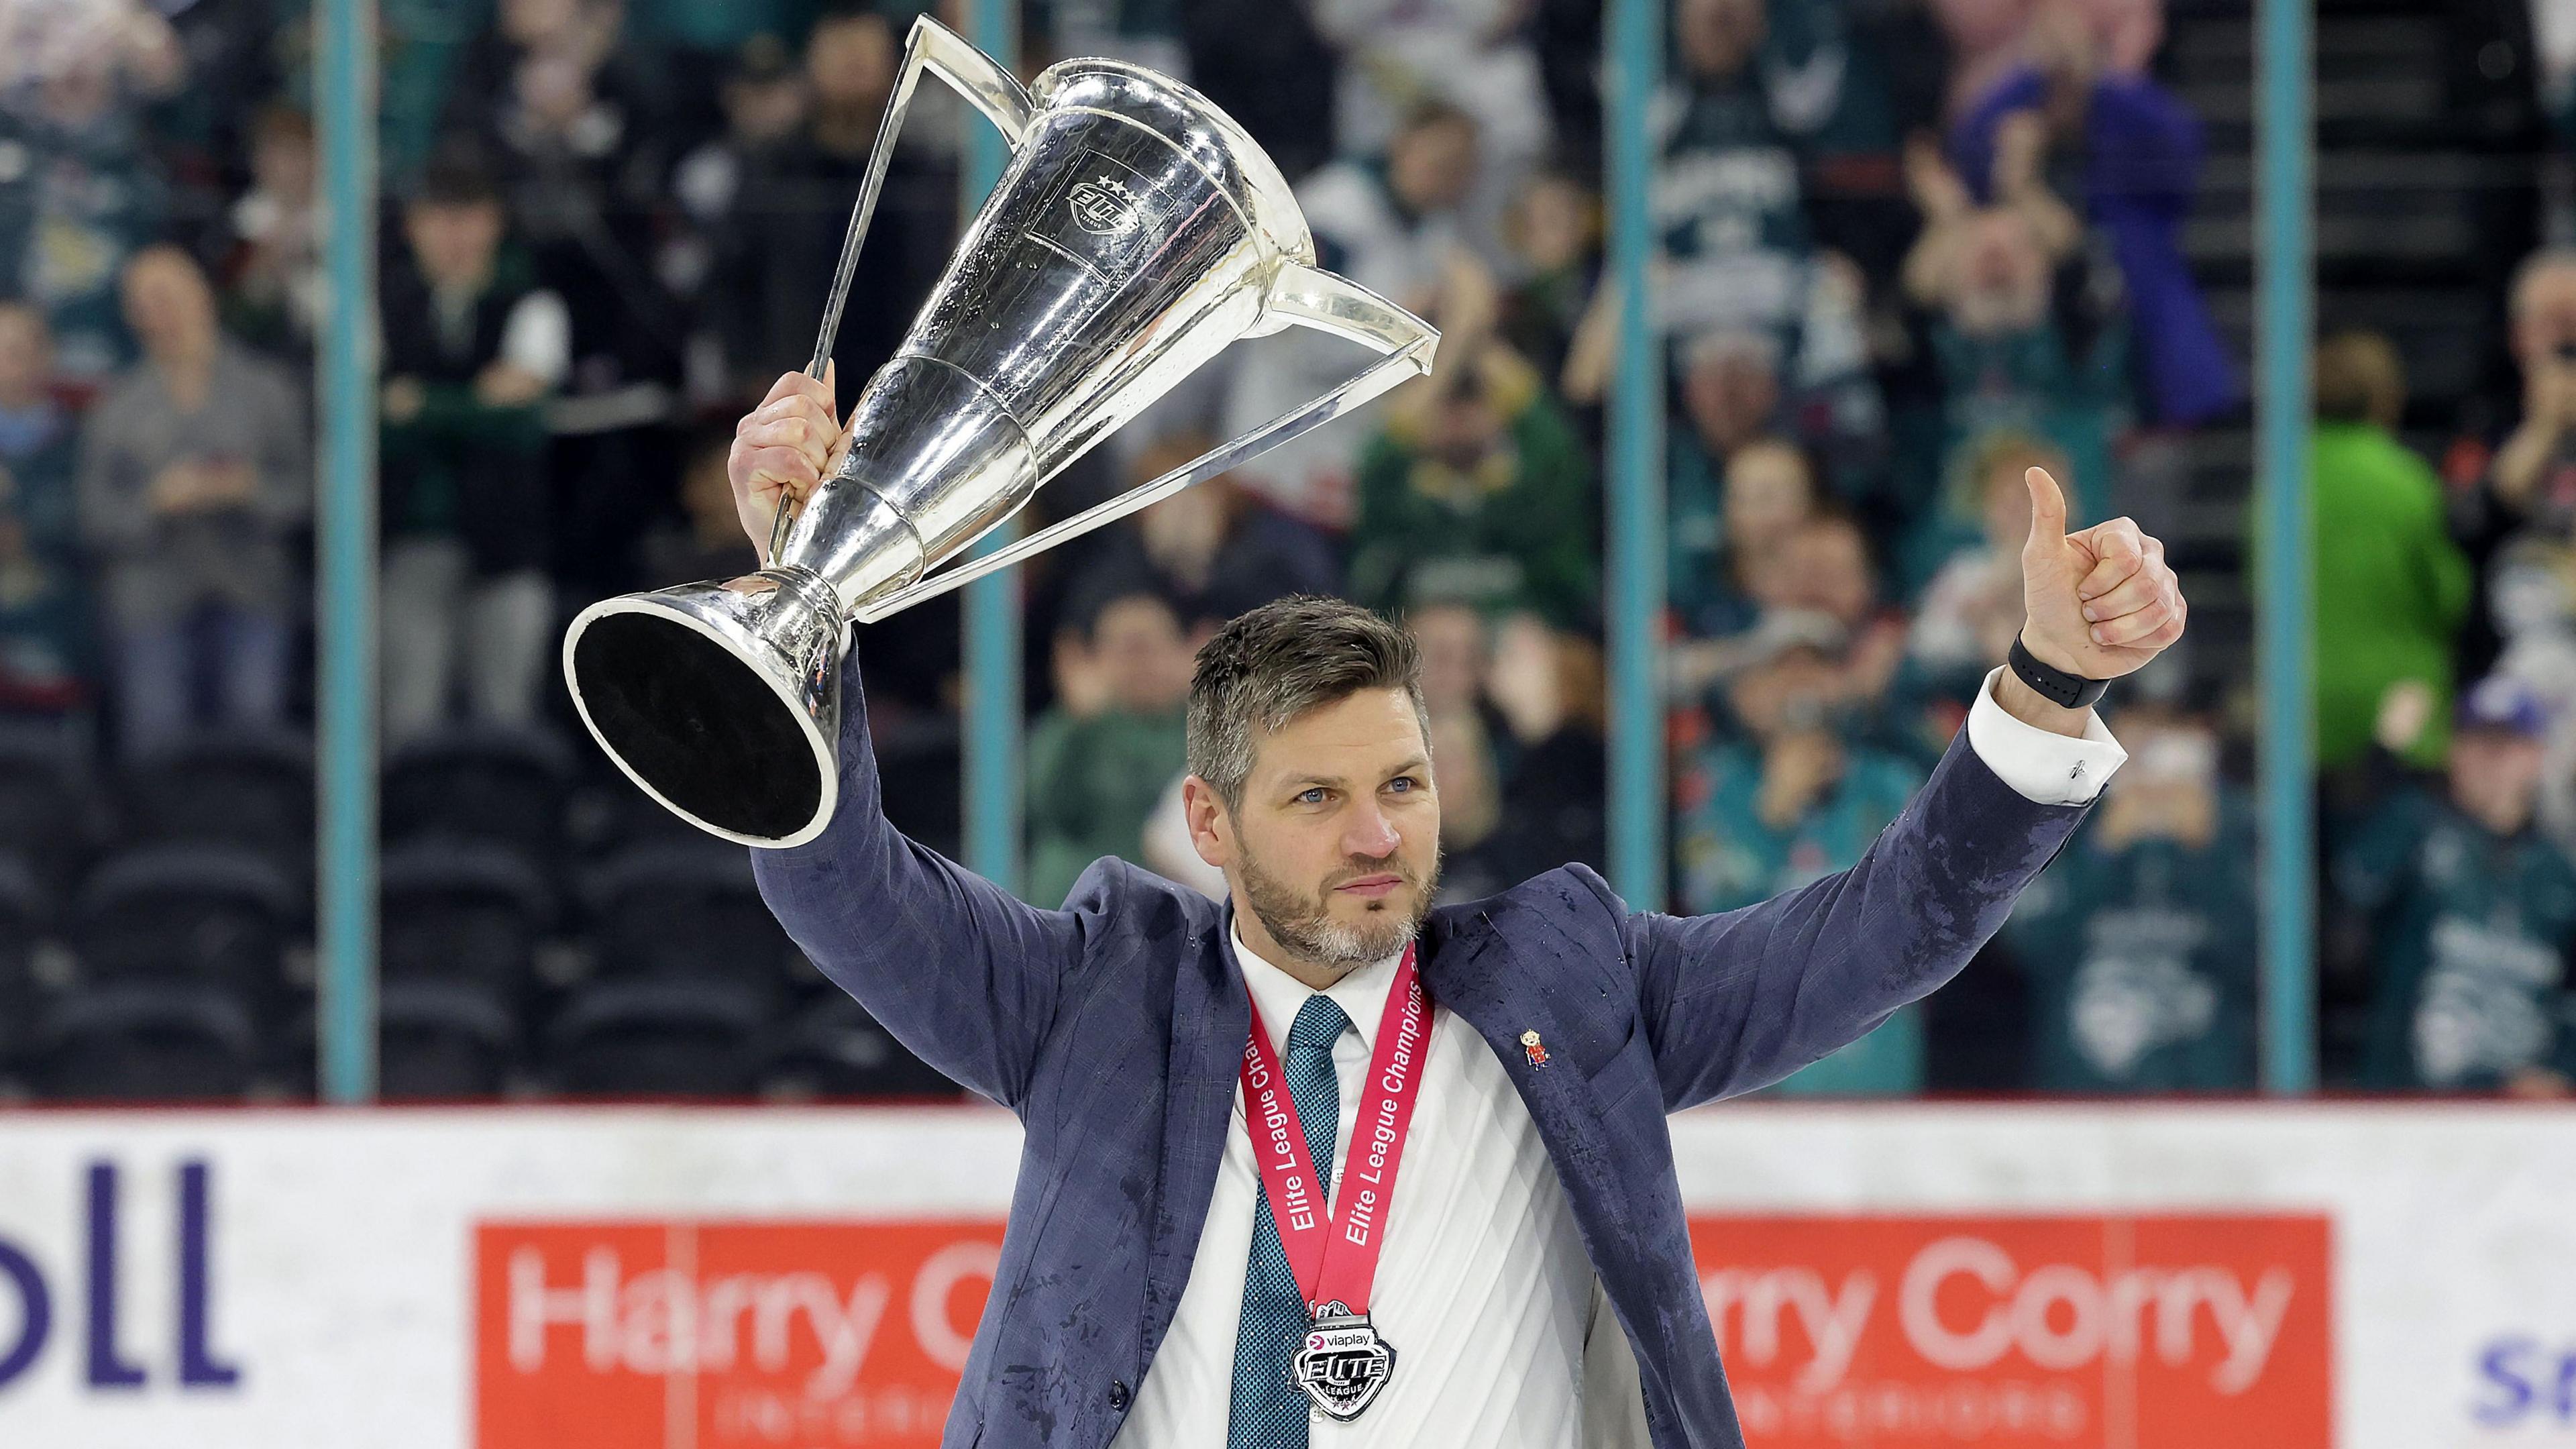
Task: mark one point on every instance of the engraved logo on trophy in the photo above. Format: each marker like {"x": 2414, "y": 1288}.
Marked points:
{"x": 1104, "y": 207}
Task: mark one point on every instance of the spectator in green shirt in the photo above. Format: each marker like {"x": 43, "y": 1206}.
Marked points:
{"x": 1100, "y": 760}
{"x": 2391, "y": 587}
{"x": 1477, "y": 492}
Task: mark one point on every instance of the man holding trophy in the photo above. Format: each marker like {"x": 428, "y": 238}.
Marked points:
{"x": 1321, "y": 1164}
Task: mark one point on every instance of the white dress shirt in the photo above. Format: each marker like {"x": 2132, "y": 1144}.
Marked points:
{"x": 1502, "y": 1336}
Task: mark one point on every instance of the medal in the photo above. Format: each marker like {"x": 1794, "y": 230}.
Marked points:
{"x": 1342, "y": 1364}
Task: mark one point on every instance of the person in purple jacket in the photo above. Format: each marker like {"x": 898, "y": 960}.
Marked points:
{"x": 2131, "y": 150}
{"x": 1325, "y": 1165}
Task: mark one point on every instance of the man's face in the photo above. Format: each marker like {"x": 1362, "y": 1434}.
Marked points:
{"x": 1786, "y": 693}
{"x": 454, "y": 243}
{"x": 1717, "y": 36}
{"x": 1766, "y": 493}
{"x": 1139, "y": 646}
{"x": 166, "y": 300}
{"x": 2544, "y": 315}
{"x": 2003, "y": 286}
{"x": 1833, "y": 570}
{"x": 1729, "y": 396}
{"x": 849, "y": 63}
{"x": 1336, "y": 846}
{"x": 1432, "y": 166}
{"x": 2495, "y": 777}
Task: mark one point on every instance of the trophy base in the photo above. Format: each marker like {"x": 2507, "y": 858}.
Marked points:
{"x": 689, "y": 693}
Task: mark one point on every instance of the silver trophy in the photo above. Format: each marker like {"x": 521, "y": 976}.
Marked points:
{"x": 1136, "y": 231}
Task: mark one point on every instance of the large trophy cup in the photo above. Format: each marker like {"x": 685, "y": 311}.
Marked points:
{"x": 1136, "y": 232}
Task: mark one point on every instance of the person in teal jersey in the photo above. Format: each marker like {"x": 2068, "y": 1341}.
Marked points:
{"x": 2027, "y": 336}
{"x": 1789, "y": 803}
{"x": 2139, "y": 943}
{"x": 1721, "y": 520}
{"x": 2472, "y": 912}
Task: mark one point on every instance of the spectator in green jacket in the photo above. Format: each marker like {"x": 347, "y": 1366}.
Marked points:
{"x": 2391, "y": 587}
{"x": 2472, "y": 911}
{"x": 1100, "y": 760}
{"x": 473, "y": 346}
{"x": 1478, "y": 492}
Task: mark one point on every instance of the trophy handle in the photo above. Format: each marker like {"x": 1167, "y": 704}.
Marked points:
{"x": 989, "y": 88}
{"x": 1300, "y": 295}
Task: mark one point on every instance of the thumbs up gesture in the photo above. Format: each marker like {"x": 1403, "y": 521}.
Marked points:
{"x": 2099, "y": 602}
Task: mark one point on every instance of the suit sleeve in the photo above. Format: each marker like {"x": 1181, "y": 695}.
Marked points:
{"x": 1736, "y": 1001}
{"x": 962, "y": 972}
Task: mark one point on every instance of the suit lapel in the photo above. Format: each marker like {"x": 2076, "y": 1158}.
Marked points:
{"x": 1472, "y": 971}
{"x": 1210, "y": 1018}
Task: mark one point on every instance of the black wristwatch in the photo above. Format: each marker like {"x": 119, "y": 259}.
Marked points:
{"x": 2066, "y": 691}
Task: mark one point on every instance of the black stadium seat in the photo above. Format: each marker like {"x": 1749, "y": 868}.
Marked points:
{"x": 253, "y": 790}
{"x": 479, "y": 783}
{"x": 462, "y": 911}
{"x": 443, "y": 1040}
{"x": 217, "y": 915}
{"x": 22, "y": 921}
{"x": 46, "y": 813}
{"x": 688, "y": 909}
{"x": 835, "y": 1049}
{"x": 144, "y": 1041}
{"x": 658, "y": 1038}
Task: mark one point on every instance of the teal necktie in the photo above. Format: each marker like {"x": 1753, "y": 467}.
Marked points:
{"x": 1268, "y": 1411}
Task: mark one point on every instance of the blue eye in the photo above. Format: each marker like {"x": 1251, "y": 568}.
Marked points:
{"x": 1314, "y": 796}
{"x": 1404, "y": 783}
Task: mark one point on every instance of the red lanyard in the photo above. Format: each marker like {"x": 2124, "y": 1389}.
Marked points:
{"x": 1336, "y": 1261}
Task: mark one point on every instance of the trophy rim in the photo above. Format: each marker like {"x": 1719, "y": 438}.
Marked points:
{"x": 1269, "y": 204}
{"x": 825, "y": 807}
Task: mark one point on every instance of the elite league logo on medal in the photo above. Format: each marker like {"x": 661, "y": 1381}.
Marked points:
{"x": 1342, "y": 1364}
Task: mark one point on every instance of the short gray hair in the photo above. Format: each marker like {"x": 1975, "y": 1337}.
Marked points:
{"x": 1283, "y": 660}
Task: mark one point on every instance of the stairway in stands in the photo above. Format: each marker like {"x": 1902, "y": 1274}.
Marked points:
{"x": 2423, "y": 202}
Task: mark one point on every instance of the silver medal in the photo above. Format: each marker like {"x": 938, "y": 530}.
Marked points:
{"x": 1343, "y": 1363}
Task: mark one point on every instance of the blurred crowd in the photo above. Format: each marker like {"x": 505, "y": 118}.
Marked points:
{"x": 1905, "y": 249}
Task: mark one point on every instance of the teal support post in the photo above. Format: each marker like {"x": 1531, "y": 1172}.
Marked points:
{"x": 2284, "y": 280}
{"x": 345, "y": 533}
{"x": 992, "y": 645}
{"x": 1636, "y": 477}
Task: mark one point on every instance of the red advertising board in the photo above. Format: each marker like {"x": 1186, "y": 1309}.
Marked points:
{"x": 2072, "y": 1332}
{"x": 724, "y": 1335}
{"x": 2129, "y": 1332}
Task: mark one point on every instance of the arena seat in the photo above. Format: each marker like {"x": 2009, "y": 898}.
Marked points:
{"x": 479, "y": 782}
{"x": 253, "y": 790}
{"x": 834, "y": 1048}
{"x": 216, "y": 915}
{"x": 686, "y": 909}
{"x": 443, "y": 1040}
{"x": 463, "y": 911}
{"x": 658, "y": 1038}
{"x": 144, "y": 1041}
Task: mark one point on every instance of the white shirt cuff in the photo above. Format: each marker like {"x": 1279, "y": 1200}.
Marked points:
{"x": 2046, "y": 767}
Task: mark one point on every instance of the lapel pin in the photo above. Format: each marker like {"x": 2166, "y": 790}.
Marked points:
{"x": 1530, "y": 1048}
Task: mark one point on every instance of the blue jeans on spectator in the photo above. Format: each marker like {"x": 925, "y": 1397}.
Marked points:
{"x": 215, "y": 665}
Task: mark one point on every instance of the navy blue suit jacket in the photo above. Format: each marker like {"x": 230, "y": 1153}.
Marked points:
{"x": 1112, "y": 1028}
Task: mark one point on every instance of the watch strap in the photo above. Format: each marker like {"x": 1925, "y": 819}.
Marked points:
{"x": 2066, "y": 691}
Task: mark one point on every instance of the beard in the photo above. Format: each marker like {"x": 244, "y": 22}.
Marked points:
{"x": 1304, "y": 923}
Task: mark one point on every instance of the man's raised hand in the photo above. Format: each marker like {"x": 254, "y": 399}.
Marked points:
{"x": 781, "y": 450}
{"x": 2099, "y": 602}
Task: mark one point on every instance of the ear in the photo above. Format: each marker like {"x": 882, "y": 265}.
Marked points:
{"x": 1211, "y": 832}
